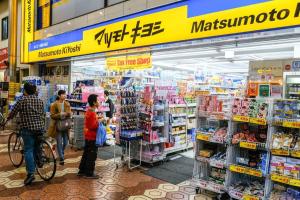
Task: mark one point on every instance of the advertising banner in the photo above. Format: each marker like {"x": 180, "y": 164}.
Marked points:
{"x": 132, "y": 62}
{"x": 184, "y": 20}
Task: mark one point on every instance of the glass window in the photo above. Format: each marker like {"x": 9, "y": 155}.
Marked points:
{"x": 4, "y": 28}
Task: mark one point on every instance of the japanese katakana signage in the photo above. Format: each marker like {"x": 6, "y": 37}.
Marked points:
{"x": 184, "y": 20}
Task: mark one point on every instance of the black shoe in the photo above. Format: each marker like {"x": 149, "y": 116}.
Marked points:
{"x": 30, "y": 178}
{"x": 94, "y": 176}
{"x": 62, "y": 162}
{"x": 80, "y": 174}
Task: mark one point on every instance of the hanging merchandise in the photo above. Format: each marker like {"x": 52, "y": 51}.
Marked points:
{"x": 152, "y": 121}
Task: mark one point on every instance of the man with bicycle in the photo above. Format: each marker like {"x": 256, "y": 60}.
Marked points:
{"x": 32, "y": 123}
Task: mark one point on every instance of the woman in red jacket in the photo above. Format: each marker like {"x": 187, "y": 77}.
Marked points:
{"x": 91, "y": 123}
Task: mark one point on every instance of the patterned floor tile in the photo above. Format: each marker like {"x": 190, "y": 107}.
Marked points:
{"x": 141, "y": 197}
{"x": 113, "y": 188}
{"x": 187, "y": 189}
{"x": 155, "y": 193}
{"x": 14, "y": 184}
{"x": 168, "y": 187}
{"x": 177, "y": 196}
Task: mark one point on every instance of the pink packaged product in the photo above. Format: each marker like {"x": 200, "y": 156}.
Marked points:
{"x": 236, "y": 106}
{"x": 277, "y": 164}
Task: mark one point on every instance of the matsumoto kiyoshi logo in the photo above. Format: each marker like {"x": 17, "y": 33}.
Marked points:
{"x": 272, "y": 15}
{"x": 138, "y": 32}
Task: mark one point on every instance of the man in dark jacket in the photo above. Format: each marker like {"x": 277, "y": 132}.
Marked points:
{"x": 32, "y": 122}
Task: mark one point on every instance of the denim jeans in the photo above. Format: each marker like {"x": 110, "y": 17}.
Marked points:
{"x": 29, "y": 140}
{"x": 62, "y": 141}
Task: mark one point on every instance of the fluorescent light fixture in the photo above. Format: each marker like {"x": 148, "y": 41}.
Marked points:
{"x": 297, "y": 51}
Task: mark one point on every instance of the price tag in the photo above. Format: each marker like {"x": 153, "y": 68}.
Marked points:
{"x": 240, "y": 118}
{"x": 248, "y": 145}
{"x": 280, "y": 179}
{"x": 258, "y": 121}
{"x": 254, "y": 172}
{"x": 217, "y": 164}
{"x": 280, "y": 152}
{"x": 203, "y": 137}
{"x": 295, "y": 182}
{"x": 237, "y": 169}
{"x": 295, "y": 154}
{"x": 291, "y": 124}
{"x": 249, "y": 197}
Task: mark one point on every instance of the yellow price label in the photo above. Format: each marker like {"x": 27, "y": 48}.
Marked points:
{"x": 258, "y": 121}
{"x": 295, "y": 154}
{"x": 280, "y": 179}
{"x": 280, "y": 152}
{"x": 240, "y": 118}
{"x": 250, "y": 197}
{"x": 294, "y": 182}
{"x": 248, "y": 145}
{"x": 291, "y": 124}
{"x": 203, "y": 137}
{"x": 237, "y": 169}
{"x": 254, "y": 172}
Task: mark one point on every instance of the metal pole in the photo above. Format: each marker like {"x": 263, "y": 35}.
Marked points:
{"x": 12, "y": 39}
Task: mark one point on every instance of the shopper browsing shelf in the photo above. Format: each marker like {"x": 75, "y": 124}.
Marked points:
{"x": 110, "y": 113}
{"x": 91, "y": 124}
{"x": 32, "y": 123}
{"x": 60, "y": 123}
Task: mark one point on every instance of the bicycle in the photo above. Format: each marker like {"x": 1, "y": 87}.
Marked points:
{"x": 44, "y": 155}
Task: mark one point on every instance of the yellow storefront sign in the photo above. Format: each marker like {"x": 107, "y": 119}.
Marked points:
{"x": 185, "y": 20}
{"x": 133, "y": 62}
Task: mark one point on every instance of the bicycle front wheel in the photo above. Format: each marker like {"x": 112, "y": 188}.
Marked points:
{"x": 15, "y": 149}
{"x": 46, "y": 167}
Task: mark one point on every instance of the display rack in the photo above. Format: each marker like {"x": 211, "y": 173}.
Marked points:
{"x": 249, "y": 145}
{"x": 285, "y": 150}
{"x": 128, "y": 134}
{"x": 152, "y": 114}
{"x": 210, "y": 154}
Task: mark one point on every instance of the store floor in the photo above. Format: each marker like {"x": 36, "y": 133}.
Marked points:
{"x": 114, "y": 185}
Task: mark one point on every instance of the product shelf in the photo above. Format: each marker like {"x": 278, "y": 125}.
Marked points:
{"x": 213, "y": 163}
{"x": 177, "y": 105}
{"x": 253, "y": 145}
{"x": 179, "y": 115}
{"x": 285, "y": 180}
{"x": 284, "y": 152}
{"x": 209, "y": 185}
{"x": 246, "y": 170}
{"x": 242, "y": 196}
{"x": 178, "y": 124}
{"x": 208, "y": 137}
{"x": 247, "y": 119}
{"x": 178, "y": 132}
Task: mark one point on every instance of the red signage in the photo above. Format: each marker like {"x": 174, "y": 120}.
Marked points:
{"x": 3, "y": 58}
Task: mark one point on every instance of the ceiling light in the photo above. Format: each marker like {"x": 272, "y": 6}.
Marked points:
{"x": 229, "y": 54}
{"x": 297, "y": 51}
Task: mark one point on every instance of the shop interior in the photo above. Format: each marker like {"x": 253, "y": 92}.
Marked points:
{"x": 234, "y": 104}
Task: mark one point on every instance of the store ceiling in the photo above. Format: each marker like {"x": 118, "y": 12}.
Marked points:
{"x": 213, "y": 59}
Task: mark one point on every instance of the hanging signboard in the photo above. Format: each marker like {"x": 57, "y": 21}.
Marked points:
{"x": 184, "y": 20}
{"x": 131, "y": 62}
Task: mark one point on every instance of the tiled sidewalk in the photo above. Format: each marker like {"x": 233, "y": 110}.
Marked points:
{"x": 115, "y": 184}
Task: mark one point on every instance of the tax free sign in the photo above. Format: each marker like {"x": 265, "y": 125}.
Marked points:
{"x": 184, "y": 20}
